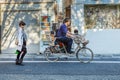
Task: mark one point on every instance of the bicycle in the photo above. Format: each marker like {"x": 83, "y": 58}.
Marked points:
{"x": 83, "y": 54}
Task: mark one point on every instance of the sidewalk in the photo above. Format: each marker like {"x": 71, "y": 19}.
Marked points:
{"x": 41, "y": 57}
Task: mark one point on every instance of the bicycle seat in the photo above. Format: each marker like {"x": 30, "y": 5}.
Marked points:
{"x": 60, "y": 44}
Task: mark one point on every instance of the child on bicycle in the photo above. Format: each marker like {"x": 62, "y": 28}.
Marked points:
{"x": 53, "y": 43}
{"x": 81, "y": 38}
{"x": 52, "y": 38}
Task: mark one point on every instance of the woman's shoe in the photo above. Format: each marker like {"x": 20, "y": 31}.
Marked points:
{"x": 17, "y": 62}
{"x": 20, "y": 61}
{"x": 71, "y": 52}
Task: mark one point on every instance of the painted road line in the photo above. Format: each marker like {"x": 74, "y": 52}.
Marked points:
{"x": 117, "y": 62}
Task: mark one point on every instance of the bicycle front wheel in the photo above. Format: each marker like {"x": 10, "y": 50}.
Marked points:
{"x": 84, "y": 55}
{"x": 51, "y": 57}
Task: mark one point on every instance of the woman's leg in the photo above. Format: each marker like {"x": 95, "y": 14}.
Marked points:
{"x": 24, "y": 51}
{"x": 69, "y": 45}
{"x": 18, "y": 56}
{"x": 68, "y": 42}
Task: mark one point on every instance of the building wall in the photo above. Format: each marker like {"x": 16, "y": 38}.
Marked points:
{"x": 60, "y": 5}
{"x": 14, "y": 11}
{"x": 103, "y": 35}
{"x": 67, "y": 8}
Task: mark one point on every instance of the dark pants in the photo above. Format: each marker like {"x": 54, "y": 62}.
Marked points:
{"x": 67, "y": 41}
{"x": 22, "y": 52}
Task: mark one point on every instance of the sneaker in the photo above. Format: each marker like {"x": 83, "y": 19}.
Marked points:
{"x": 17, "y": 62}
{"x": 20, "y": 61}
{"x": 71, "y": 52}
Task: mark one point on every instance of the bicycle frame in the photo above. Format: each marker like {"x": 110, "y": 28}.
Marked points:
{"x": 51, "y": 51}
{"x": 64, "y": 48}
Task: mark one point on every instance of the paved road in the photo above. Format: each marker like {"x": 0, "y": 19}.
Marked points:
{"x": 60, "y": 71}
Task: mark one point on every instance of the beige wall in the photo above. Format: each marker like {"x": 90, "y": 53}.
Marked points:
{"x": 28, "y": 12}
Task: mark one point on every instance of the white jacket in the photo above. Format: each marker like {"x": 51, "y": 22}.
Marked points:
{"x": 20, "y": 34}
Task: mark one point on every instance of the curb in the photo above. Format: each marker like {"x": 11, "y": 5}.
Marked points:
{"x": 36, "y": 55}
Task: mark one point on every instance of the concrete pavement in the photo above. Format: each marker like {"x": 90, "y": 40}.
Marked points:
{"x": 38, "y": 68}
{"x": 60, "y": 71}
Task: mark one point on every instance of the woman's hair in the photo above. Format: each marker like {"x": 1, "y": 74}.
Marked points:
{"x": 22, "y": 23}
{"x": 66, "y": 20}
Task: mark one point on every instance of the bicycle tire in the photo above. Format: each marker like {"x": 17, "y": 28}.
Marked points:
{"x": 48, "y": 53}
{"x": 79, "y": 55}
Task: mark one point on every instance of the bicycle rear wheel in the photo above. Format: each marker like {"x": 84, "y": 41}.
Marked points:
{"x": 51, "y": 57}
{"x": 84, "y": 55}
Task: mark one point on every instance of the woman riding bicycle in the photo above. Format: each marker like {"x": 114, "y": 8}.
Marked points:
{"x": 64, "y": 36}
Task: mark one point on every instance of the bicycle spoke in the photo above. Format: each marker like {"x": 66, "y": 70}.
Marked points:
{"x": 51, "y": 56}
{"x": 84, "y": 55}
